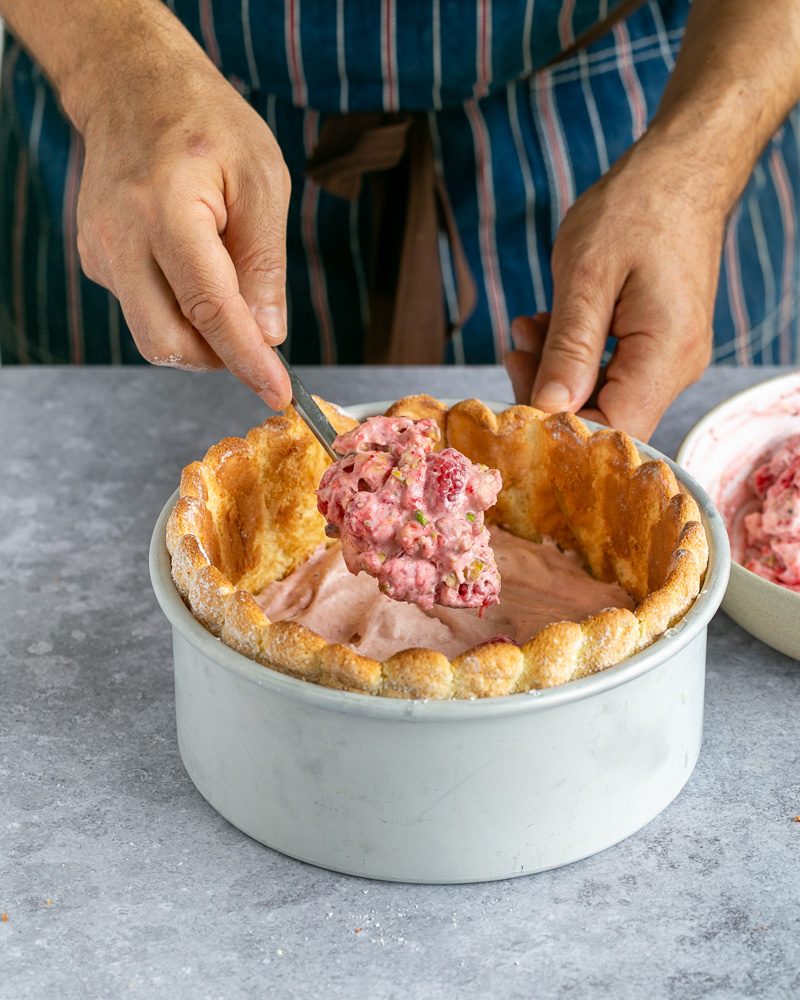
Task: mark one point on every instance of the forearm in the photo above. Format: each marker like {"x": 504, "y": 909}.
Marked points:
{"x": 735, "y": 80}
{"x": 86, "y": 46}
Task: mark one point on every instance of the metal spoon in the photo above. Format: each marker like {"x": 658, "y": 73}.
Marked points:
{"x": 315, "y": 419}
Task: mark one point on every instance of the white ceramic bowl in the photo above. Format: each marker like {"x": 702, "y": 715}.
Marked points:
{"x": 458, "y": 791}
{"x": 720, "y": 451}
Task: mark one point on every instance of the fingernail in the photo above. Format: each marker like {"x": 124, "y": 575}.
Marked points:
{"x": 553, "y": 396}
{"x": 270, "y": 320}
{"x": 270, "y": 396}
{"x": 516, "y": 331}
{"x": 274, "y": 399}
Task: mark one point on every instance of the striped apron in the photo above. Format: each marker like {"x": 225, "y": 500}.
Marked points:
{"x": 515, "y": 139}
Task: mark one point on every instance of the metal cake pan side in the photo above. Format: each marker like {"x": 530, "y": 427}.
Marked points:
{"x": 482, "y": 790}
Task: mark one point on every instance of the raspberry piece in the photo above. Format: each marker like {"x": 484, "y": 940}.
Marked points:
{"x": 763, "y": 479}
{"x": 449, "y": 474}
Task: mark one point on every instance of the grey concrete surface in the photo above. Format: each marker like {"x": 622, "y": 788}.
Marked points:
{"x": 119, "y": 880}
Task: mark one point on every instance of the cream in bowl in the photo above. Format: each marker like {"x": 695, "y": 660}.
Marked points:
{"x": 746, "y": 454}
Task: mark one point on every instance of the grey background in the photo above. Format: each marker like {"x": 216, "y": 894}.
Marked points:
{"x": 119, "y": 880}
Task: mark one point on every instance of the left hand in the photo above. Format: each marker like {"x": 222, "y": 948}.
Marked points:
{"x": 637, "y": 256}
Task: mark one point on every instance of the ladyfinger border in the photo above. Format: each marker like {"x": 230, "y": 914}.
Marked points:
{"x": 557, "y": 653}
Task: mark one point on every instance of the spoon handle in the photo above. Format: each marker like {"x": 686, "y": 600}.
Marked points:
{"x": 315, "y": 419}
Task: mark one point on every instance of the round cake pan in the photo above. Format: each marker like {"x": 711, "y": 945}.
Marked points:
{"x": 456, "y": 791}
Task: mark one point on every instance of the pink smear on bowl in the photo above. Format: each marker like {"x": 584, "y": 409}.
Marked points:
{"x": 771, "y": 516}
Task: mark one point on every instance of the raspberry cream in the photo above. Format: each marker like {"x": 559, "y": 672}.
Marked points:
{"x": 411, "y": 517}
{"x": 745, "y": 454}
{"x": 541, "y": 584}
{"x": 772, "y": 517}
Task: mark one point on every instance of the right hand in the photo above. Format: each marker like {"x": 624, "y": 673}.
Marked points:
{"x": 637, "y": 256}
{"x": 182, "y": 215}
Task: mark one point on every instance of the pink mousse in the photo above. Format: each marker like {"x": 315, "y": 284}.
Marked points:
{"x": 772, "y": 533}
{"x": 412, "y": 517}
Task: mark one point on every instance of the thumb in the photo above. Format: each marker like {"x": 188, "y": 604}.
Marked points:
{"x": 583, "y": 307}
{"x": 255, "y": 238}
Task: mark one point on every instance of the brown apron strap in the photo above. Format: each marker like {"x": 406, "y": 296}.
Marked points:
{"x": 410, "y": 208}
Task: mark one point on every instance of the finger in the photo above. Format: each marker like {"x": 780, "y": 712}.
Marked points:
{"x": 521, "y": 367}
{"x": 583, "y": 307}
{"x": 163, "y": 335}
{"x": 200, "y": 272}
{"x": 528, "y": 334}
{"x": 592, "y": 411}
{"x": 255, "y": 237}
{"x": 602, "y": 378}
{"x": 643, "y": 377}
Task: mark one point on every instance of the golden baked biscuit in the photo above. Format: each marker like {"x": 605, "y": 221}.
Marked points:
{"x": 247, "y": 516}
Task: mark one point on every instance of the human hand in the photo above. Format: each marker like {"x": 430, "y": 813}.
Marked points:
{"x": 182, "y": 215}
{"x": 637, "y": 257}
